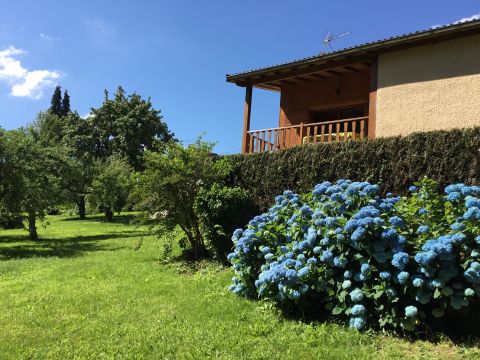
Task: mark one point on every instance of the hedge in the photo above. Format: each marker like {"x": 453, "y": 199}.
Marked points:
{"x": 395, "y": 162}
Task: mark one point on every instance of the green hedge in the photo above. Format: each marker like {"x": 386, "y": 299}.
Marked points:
{"x": 446, "y": 156}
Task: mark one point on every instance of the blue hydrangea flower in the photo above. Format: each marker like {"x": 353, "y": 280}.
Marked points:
{"x": 357, "y": 322}
{"x": 365, "y": 269}
{"x": 472, "y": 202}
{"x": 346, "y": 284}
{"x": 402, "y": 277}
{"x": 411, "y": 311}
{"x": 454, "y": 196}
{"x": 340, "y": 262}
{"x": 358, "y": 309}
{"x": 423, "y": 229}
{"x": 400, "y": 260}
{"x": 422, "y": 211}
{"x": 457, "y": 226}
{"x": 412, "y": 188}
{"x": 303, "y": 272}
{"x": 396, "y": 221}
{"x": 356, "y": 295}
{"x": 417, "y": 281}
{"x": 385, "y": 275}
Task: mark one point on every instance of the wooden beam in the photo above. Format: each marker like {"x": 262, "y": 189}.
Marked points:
{"x": 351, "y": 68}
{"x": 334, "y": 72}
{"x": 318, "y": 76}
{"x": 247, "y": 110}
{"x": 372, "y": 103}
{"x": 301, "y": 78}
{"x": 289, "y": 74}
{"x": 288, "y": 82}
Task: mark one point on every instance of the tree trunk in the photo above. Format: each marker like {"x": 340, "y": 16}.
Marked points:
{"x": 81, "y": 207}
{"x": 32, "y": 227}
{"x": 108, "y": 215}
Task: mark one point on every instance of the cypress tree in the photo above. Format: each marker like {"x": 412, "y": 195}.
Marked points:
{"x": 56, "y": 103}
{"x": 65, "y": 104}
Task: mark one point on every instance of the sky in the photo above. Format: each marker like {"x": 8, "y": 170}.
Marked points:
{"x": 177, "y": 52}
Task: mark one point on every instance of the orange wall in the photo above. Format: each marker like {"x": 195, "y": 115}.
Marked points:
{"x": 297, "y": 101}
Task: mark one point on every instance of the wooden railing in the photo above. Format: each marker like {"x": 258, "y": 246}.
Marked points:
{"x": 328, "y": 131}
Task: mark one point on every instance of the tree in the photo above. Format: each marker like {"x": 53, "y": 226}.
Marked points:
{"x": 127, "y": 126}
{"x": 171, "y": 181}
{"x": 56, "y": 102}
{"x": 110, "y": 186}
{"x": 10, "y": 209}
{"x": 65, "y": 104}
{"x": 36, "y": 180}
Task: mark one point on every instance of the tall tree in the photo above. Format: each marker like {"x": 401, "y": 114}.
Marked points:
{"x": 10, "y": 209}
{"x": 127, "y": 126}
{"x": 56, "y": 102}
{"x": 65, "y": 104}
{"x": 35, "y": 170}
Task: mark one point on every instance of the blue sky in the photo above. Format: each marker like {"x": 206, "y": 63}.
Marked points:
{"x": 177, "y": 52}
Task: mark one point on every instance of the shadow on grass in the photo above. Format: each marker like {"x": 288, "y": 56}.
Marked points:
{"x": 54, "y": 247}
{"x": 124, "y": 219}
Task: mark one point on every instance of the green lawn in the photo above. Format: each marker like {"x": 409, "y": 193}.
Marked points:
{"x": 90, "y": 290}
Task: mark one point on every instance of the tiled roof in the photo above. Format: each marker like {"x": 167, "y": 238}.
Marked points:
{"x": 378, "y": 44}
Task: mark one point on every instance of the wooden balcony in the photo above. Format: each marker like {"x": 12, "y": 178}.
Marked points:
{"x": 273, "y": 139}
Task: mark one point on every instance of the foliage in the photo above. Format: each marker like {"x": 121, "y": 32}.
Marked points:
{"x": 10, "y": 209}
{"x": 112, "y": 301}
{"x": 73, "y": 139}
{"x": 363, "y": 258}
{"x": 58, "y": 106}
{"x": 111, "y": 185}
{"x": 126, "y": 126}
{"x": 446, "y": 156}
{"x": 170, "y": 183}
{"x": 33, "y": 169}
{"x": 221, "y": 210}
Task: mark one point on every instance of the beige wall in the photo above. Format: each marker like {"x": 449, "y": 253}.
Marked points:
{"x": 432, "y": 87}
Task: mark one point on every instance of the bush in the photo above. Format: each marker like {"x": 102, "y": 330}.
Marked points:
{"x": 170, "y": 183}
{"x": 446, "y": 156}
{"x": 221, "y": 210}
{"x": 371, "y": 261}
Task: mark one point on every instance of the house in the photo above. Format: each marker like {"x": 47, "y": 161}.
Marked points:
{"x": 422, "y": 81}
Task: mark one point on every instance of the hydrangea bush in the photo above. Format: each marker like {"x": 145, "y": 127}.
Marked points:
{"x": 381, "y": 262}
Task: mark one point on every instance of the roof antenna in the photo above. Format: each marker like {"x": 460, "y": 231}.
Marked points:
{"x": 327, "y": 42}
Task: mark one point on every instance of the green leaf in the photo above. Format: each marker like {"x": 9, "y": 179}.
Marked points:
{"x": 337, "y": 310}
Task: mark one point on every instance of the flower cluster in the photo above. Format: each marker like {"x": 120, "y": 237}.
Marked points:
{"x": 382, "y": 262}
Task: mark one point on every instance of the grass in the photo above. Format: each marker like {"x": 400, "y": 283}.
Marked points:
{"x": 90, "y": 290}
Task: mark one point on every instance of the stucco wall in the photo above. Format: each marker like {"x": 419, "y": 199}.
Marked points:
{"x": 432, "y": 87}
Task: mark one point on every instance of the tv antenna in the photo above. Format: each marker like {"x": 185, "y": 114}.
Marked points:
{"x": 327, "y": 42}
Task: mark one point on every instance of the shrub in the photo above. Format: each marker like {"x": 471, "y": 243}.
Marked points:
{"x": 381, "y": 262}
{"x": 395, "y": 162}
{"x": 171, "y": 181}
{"x": 221, "y": 210}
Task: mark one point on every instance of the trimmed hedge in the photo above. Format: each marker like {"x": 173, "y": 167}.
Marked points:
{"x": 445, "y": 156}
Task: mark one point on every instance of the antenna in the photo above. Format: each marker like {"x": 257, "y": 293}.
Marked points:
{"x": 327, "y": 42}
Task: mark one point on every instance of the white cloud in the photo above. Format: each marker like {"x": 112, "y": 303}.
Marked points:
{"x": 50, "y": 39}
{"x": 470, "y": 18}
{"x": 100, "y": 29}
{"x": 462, "y": 20}
{"x": 23, "y": 82}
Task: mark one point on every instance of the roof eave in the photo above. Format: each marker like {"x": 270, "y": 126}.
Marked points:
{"x": 354, "y": 53}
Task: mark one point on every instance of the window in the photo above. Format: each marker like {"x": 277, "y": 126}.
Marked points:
{"x": 340, "y": 113}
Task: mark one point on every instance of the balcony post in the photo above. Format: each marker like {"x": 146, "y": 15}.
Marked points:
{"x": 246, "y": 118}
{"x": 372, "y": 103}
